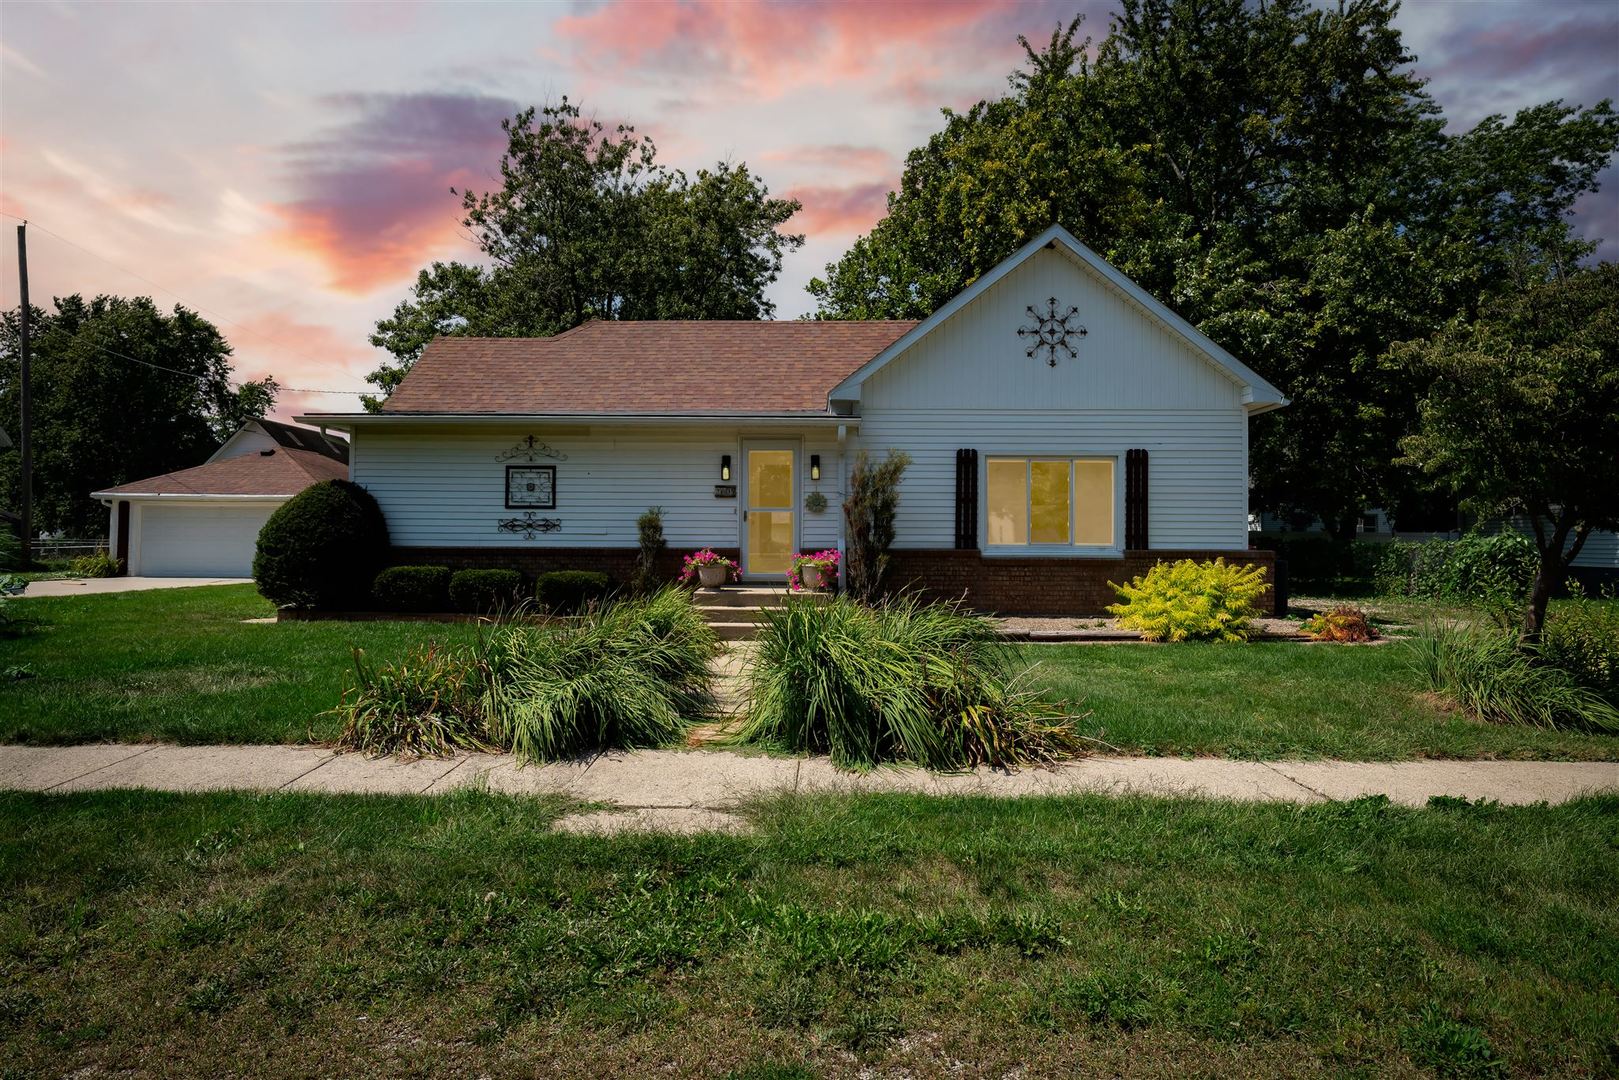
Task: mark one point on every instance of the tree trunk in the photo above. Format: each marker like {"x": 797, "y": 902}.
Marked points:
{"x": 1554, "y": 563}
{"x": 1534, "y": 617}
{"x": 1344, "y": 527}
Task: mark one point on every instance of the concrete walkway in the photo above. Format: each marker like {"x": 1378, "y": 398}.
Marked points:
{"x": 86, "y": 586}
{"x": 691, "y": 790}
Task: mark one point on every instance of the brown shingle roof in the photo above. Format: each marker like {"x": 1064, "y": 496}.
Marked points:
{"x": 294, "y": 437}
{"x": 659, "y": 368}
{"x": 279, "y": 472}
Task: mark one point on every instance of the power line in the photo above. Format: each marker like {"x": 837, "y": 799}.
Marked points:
{"x": 159, "y": 287}
{"x": 203, "y": 378}
{"x": 132, "y": 273}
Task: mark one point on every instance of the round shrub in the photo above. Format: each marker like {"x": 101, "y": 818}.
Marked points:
{"x": 480, "y": 592}
{"x": 412, "y": 588}
{"x": 569, "y": 591}
{"x": 322, "y": 547}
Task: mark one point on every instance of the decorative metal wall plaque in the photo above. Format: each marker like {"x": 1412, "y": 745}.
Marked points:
{"x": 529, "y": 525}
{"x": 531, "y": 487}
{"x": 1052, "y": 332}
{"x": 531, "y": 449}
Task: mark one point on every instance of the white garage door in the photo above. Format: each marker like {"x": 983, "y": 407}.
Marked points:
{"x": 198, "y": 539}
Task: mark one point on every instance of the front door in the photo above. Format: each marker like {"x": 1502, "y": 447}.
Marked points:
{"x": 769, "y": 508}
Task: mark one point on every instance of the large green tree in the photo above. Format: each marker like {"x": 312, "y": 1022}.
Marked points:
{"x": 120, "y": 391}
{"x": 587, "y": 225}
{"x": 1279, "y": 176}
{"x": 1521, "y": 416}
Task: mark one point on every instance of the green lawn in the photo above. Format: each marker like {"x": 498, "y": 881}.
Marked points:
{"x": 1280, "y": 700}
{"x": 305, "y": 935}
{"x": 181, "y": 665}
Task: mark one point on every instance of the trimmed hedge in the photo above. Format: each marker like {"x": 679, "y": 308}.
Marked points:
{"x": 322, "y": 547}
{"x": 480, "y": 592}
{"x": 412, "y": 588}
{"x": 568, "y": 592}
{"x": 1321, "y": 562}
{"x": 1473, "y": 568}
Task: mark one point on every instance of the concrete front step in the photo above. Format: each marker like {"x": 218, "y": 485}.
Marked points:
{"x": 741, "y": 596}
{"x": 736, "y": 614}
{"x": 735, "y": 611}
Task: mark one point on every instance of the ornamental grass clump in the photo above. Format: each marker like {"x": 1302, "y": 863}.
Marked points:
{"x": 902, "y": 681}
{"x": 426, "y": 705}
{"x": 633, "y": 674}
{"x": 1488, "y": 672}
{"x": 1191, "y": 601}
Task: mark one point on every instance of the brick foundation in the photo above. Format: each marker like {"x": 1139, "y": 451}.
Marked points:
{"x": 1008, "y": 586}
{"x": 1043, "y": 586}
{"x": 616, "y": 563}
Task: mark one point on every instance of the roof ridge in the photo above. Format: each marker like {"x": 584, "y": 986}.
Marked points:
{"x": 533, "y": 338}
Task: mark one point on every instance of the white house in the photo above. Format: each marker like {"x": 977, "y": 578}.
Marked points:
{"x": 205, "y": 521}
{"x": 1064, "y": 428}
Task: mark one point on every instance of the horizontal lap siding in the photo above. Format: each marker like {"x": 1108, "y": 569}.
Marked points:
{"x": 445, "y": 488}
{"x": 1197, "y": 463}
{"x": 1601, "y": 551}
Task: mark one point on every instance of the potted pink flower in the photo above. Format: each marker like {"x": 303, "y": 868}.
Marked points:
{"x": 709, "y": 567}
{"x": 812, "y": 572}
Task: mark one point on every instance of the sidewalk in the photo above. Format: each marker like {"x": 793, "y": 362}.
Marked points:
{"x": 87, "y": 586}
{"x": 667, "y": 780}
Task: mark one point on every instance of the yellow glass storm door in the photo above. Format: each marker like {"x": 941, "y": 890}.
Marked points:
{"x": 770, "y": 509}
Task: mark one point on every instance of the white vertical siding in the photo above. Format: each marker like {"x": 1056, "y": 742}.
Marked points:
{"x": 445, "y": 488}
{"x": 1134, "y": 384}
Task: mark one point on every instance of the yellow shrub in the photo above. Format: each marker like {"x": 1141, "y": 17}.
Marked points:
{"x": 1190, "y": 601}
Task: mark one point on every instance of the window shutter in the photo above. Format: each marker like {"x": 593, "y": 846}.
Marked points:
{"x": 966, "y": 499}
{"x": 1135, "y": 500}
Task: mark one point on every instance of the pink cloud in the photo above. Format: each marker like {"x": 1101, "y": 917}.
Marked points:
{"x": 839, "y": 211}
{"x": 374, "y": 200}
{"x": 777, "y": 46}
{"x": 301, "y": 355}
{"x": 842, "y": 157}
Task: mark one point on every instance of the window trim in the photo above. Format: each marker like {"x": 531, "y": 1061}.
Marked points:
{"x": 1070, "y": 550}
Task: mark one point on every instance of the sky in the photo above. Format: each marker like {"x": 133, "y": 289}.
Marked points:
{"x": 285, "y": 168}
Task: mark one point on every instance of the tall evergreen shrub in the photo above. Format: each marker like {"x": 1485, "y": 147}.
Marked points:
{"x": 650, "y": 527}
{"x": 869, "y": 510}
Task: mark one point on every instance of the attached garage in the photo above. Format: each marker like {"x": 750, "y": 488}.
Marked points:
{"x": 204, "y": 522}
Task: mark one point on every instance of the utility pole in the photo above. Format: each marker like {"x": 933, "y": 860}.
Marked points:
{"x": 25, "y": 434}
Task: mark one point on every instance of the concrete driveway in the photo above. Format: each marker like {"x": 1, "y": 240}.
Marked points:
{"x": 86, "y": 586}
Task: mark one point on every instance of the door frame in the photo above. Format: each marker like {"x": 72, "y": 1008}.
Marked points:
{"x": 796, "y": 445}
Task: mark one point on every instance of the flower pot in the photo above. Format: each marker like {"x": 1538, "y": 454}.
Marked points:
{"x": 813, "y": 576}
{"x": 712, "y": 577}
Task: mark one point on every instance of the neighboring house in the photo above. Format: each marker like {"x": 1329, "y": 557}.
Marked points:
{"x": 205, "y": 521}
{"x": 1065, "y": 429}
{"x": 1597, "y": 563}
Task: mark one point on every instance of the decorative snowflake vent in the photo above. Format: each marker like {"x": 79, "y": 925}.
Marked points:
{"x": 1052, "y": 332}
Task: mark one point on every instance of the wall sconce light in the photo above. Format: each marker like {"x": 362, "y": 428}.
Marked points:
{"x": 725, "y": 466}
{"x": 815, "y": 466}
